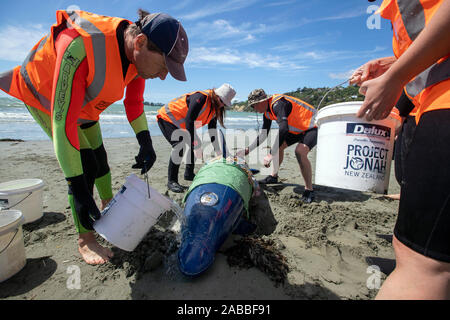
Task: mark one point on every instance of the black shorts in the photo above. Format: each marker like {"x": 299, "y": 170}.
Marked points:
{"x": 402, "y": 144}
{"x": 423, "y": 222}
{"x": 167, "y": 130}
{"x": 309, "y": 138}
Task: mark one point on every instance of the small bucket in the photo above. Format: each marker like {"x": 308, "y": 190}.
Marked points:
{"x": 12, "y": 248}
{"x": 131, "y": 213}
{"x": 353, "y": 153}
{"x": 25, "y": 195}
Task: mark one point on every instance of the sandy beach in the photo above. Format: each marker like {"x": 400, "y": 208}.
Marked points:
{"x": 323, "y": 250}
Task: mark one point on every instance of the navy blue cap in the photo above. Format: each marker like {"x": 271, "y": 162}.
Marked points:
{"x": 168, "y": 35}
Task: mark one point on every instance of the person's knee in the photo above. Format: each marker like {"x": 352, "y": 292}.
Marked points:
{"x": 301, "y": 151}
{"x": 101, "y": 161}
{"x": 89, "y": 163}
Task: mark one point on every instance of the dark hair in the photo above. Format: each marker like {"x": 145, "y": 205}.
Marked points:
{"x": 220, "y": 112}
{"x": 134, "y": 29}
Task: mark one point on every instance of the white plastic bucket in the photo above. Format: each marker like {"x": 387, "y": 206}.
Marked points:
{"x": 25, "y": 195}
{"x": 353, "y": 153}
{"x": 131, "y": 213}
{"x": 12, "y": 248}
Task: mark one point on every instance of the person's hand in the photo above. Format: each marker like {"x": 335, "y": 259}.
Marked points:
{"x": 371, "y": 70}
{"x": 256, "y": 192}
{"x": 198, "y": 153}
{"x": 381, "y": 95}
{"x": 146, "y": 156}
{"x": 84, "y": 202}
{"x": 241, "y": 153}
{"x": 267, "y": 160}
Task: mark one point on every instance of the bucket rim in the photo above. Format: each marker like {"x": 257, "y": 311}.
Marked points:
{"x": 7, "y": 188}
{"x": 349, "y": 108}
{"x": 136, "y": 183}
{"x": 16, "y": 220}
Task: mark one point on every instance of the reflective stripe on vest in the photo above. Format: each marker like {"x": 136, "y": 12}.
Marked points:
{"x": 176, "y": 122}
{"x": 314, "y": 111}
{"x": 105, "y": 81}
{"x": 181, "y": 122}
{"x": 24, "y": 73}
{"x": 433, "y": 75}
{"x": 6, "y": 80}
{"x": 413, "y": 16}
{"x": 293, "y": 102}
{"x": 99, "y": 49}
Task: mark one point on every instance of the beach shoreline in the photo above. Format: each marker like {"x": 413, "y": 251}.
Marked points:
{"x": 330, "y": 245}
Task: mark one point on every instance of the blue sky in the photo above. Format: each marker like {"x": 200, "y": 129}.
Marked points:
{"x": 278, "y": 45}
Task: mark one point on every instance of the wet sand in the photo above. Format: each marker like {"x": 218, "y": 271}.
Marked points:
{"x": 323, "y": 250}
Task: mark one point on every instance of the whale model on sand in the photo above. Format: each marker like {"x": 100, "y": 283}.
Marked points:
{"x": 216, "y": 205}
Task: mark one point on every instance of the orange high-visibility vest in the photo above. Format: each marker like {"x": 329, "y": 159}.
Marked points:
{"x": 301, "y": 117}
{"x": 33, "y": 81}
{"x": 176, "y": 110}
{"x": 429, "y": 90}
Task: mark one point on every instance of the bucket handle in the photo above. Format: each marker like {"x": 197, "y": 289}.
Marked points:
{"x": 340, "y": 84}
{"x": 9, "y": 243}
{"x": 29, "y": 194}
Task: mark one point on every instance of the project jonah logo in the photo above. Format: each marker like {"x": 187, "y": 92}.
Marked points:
{"x": 372, "y": 130}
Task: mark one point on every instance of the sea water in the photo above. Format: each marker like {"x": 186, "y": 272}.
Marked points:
{"x": 17, "y": 123}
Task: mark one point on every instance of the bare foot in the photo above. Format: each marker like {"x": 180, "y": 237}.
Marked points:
{"x": 393, "y": 196}
{"x": 91, "y": 251}
{"x": 104, "y": 204}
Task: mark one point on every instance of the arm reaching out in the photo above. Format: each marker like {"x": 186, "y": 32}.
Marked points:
{"x": 371, "y": 70}
{"x": 432, "y": 44}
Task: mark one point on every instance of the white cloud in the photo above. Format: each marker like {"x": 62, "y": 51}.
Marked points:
{"x": 340, "y": 16}
{"x": 223, "y": 29}
{"x": 235, "y": 34}
{"x": 203, "y": 56}
{"x": 16, "y": 42}
{"x": 182, "y": 4}
{"x": 280, "y": 3}
{"x": 314, "y": 55}
{"x": 341, "y": 75}
{"x": 320, "y": 56}
{"x": 210, "y": 10}
{"x": 300, "y": 44}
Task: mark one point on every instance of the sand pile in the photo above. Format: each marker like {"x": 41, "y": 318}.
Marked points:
{"x": 318, "y": 251}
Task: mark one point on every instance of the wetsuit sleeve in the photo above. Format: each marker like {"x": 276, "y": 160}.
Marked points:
{"x": 134, "y": 105}
{"x": 282, "y": 110}
{"x": 195, "y": 103}
{"x": 69, "y": 86}
{"x": 212, "y": 129}
{"x": 263, "y": 135}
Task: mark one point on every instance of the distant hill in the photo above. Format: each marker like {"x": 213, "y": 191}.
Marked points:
{"x": 314, "y": 95}
{"x": 153, "y": 104}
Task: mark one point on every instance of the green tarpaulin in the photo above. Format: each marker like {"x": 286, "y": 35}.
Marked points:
{"x": 226, "y": 173}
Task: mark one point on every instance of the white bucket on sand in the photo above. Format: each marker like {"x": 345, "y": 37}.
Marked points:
{"x": 131, "y": 213}
{"x": 12, "y": 248}
{"x": 353, "y": 153}
{"x": 24, "y": 195}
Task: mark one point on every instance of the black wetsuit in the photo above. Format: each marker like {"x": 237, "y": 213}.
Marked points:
{"x": 195, "y": 102}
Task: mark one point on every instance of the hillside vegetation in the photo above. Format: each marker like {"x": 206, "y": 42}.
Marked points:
{"x": 314, "y": 95}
